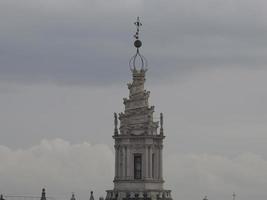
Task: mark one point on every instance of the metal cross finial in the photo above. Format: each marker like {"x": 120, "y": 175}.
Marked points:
{"x": 138, "y": 60}
{"x": 138, "y": 24}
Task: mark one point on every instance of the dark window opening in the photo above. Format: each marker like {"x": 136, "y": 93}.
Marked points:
{"x": 137, "y": 166}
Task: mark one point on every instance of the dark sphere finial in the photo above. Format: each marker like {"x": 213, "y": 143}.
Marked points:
{"x": 137, "y": 43}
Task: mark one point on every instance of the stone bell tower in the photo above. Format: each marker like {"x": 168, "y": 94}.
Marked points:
{"x": 138, "y": 143}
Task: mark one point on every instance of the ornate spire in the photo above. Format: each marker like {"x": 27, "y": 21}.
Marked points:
{"x": 138, "y": 143}
{"x": 138, "y": 116}
{"x": 138, "y": 61}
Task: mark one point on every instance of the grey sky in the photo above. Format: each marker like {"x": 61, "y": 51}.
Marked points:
{"x": 66, "y": 41}
{"x": 64, "y": 69}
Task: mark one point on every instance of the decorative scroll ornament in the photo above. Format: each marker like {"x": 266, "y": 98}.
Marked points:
{"x": 138, "y": 61}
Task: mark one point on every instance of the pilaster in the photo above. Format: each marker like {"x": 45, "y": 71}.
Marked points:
{"x": 160, "y": 164}
{"x": 124, "y": 162}
{"x": 116, "y": 162}
{"x": 128, "y": 169}
{"x": 146, "y": 163}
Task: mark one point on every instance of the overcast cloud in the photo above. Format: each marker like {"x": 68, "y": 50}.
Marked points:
{"x": 81, "y": 41}
{"x": 62, "y": 167}
{"x": 60, "y": 60}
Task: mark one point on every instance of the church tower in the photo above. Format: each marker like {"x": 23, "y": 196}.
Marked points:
{"x": 138, "y": 142}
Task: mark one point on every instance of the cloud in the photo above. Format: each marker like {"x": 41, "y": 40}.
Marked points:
{"x": 63, "y": 168}
{"x": 59, "y": 166}
{"x": 193, "y": 176}
{"x": 224, "y": 108}
{"x": 90, "y": 42}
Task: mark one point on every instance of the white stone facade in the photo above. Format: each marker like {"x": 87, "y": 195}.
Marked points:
{"x": 138, "y": 147}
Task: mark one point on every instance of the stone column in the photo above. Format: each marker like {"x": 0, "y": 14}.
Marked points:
{"x": 116, "y": 162}
{"x": 123, "y": 162}
{"x": 131, "y": 165}
{"x": 120, "y": 162}
{"x": 160, "y": 160}
{"x": 128, "y": 176}
{"x": 157, "y": 163}
{"x": 146, "y": 162}
{"x": 150, "y": 161}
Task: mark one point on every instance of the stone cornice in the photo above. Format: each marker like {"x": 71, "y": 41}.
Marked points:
{"x": 139, "y": 146}
{"x": 138, "y": 181}
{"x": 137, "y": 137}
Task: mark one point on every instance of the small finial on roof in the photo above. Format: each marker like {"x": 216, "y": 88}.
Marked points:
{"x": 234, "y": 195}
{"x": 43, "y": 197}
{"x": 72, "y": 196}
{"x": 115, "y": 124}
{"x": 161, "y": 123}
{"x": 91, "y": 196}
{"x": 2, "y": 197}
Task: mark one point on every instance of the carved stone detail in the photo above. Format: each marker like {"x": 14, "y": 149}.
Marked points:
{"x": 137, "y": 135}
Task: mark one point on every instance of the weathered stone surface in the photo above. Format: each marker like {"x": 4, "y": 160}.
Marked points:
{"x": 138, "y": 135}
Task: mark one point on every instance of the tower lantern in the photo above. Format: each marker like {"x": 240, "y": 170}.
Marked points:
{"x": 138, "y": 142}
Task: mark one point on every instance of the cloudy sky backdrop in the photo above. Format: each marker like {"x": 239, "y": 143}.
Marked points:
{"x": 64, "y": 69}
